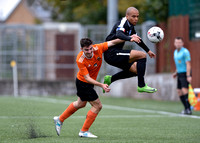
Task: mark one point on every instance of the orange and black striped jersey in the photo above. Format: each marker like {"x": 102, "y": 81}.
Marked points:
{"x": 91, "y": 66}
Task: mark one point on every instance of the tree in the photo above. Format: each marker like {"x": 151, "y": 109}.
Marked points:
{"x": 87, "y": 12}
{"x": 95, "y": 11}
{"x": 156, "y": 10}
{"x": 124, "y": 4}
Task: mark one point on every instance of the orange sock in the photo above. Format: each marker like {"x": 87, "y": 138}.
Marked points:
{"x": 68, "y": 112}
{"x": 91, "y": 116}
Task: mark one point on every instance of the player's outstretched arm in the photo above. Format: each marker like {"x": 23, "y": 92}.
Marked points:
{"x": 114, "y": 42}
{"x": 121, "y": 35}
{"x": 94, "y": 82}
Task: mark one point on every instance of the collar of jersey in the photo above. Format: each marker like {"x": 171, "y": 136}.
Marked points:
{"x": 180, "y": 49}
{"x": 129, "y": 23}
{"x": 87, "y": 57}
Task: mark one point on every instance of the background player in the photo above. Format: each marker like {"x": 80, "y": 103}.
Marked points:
{"x": 132, "y": 62}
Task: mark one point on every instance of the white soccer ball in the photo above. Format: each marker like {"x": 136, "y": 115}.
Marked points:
{"x": 155, "y": 34}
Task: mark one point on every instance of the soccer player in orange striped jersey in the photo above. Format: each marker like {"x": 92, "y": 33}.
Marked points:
{"x": 89, "y": 61}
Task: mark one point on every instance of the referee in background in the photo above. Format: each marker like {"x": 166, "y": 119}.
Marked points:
{"x": 183, "y": 73}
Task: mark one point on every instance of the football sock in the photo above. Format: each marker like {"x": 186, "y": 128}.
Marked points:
{"x": 141, "y": 67}
{"x": 122, "y": 75}
{"x": 183, "y": 100}
{"x": 91, "y": 116}
{"x": 187, "y": 101}
{"x": 68, "y": 112}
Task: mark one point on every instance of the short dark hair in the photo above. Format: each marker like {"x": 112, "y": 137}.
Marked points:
{"x": 179, "y": 38}
{"x": 85, "y": 42}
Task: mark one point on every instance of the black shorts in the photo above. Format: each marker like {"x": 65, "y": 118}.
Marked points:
{"x": 117, "y": 57}
{"x": 182, "y": 81}
{"x": 86, "y": 91}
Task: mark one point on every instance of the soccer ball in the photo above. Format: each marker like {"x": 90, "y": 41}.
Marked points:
{"x": 155, "y": 34}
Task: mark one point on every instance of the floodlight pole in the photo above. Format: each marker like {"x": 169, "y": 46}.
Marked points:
{"x": 112, "y": 14}
{"x": 15, "y": 82}
{"x": 112, "y": 17}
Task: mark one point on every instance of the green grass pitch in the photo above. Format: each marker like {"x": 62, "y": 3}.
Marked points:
{"x": 122, "y": 120}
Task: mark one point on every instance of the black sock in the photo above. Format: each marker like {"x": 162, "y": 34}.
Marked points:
{"x": 187, "y": 101}
{"x": 141, "y": 67}
{"x": 183, "y": 100}
{"x": 122, "y": 75}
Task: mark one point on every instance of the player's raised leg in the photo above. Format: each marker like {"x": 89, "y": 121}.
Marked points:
{"x": 138, "y": 58}
{"x": 108, "y": 79}
{"x": 136, "y": 55}
{"x": 141, "y": 67}
{"x": 125, "y": 58}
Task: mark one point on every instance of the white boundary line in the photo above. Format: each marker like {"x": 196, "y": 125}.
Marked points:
{"x": 83, "y": 117}
{"x": 113, "y": 107}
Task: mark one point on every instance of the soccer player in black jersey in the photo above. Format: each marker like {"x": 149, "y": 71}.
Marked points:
{"x": 132, "y": 62}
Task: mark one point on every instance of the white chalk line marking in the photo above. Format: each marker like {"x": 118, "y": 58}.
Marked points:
{"x": 83, "y": 117}
{"x": 113, "y": 107}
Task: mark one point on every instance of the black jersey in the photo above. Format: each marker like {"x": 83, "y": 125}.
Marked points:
{"x": 123, "y": 30}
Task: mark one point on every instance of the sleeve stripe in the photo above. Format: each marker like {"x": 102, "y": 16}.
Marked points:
{"x": 122, "y": 22}
{"x": 120, "y": 28}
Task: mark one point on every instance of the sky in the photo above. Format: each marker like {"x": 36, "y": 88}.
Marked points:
{"x": 6, "y": 7}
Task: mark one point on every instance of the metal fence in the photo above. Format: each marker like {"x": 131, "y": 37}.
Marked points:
{"x": 26, "y": 45}
{"x": 23, "y": 44}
